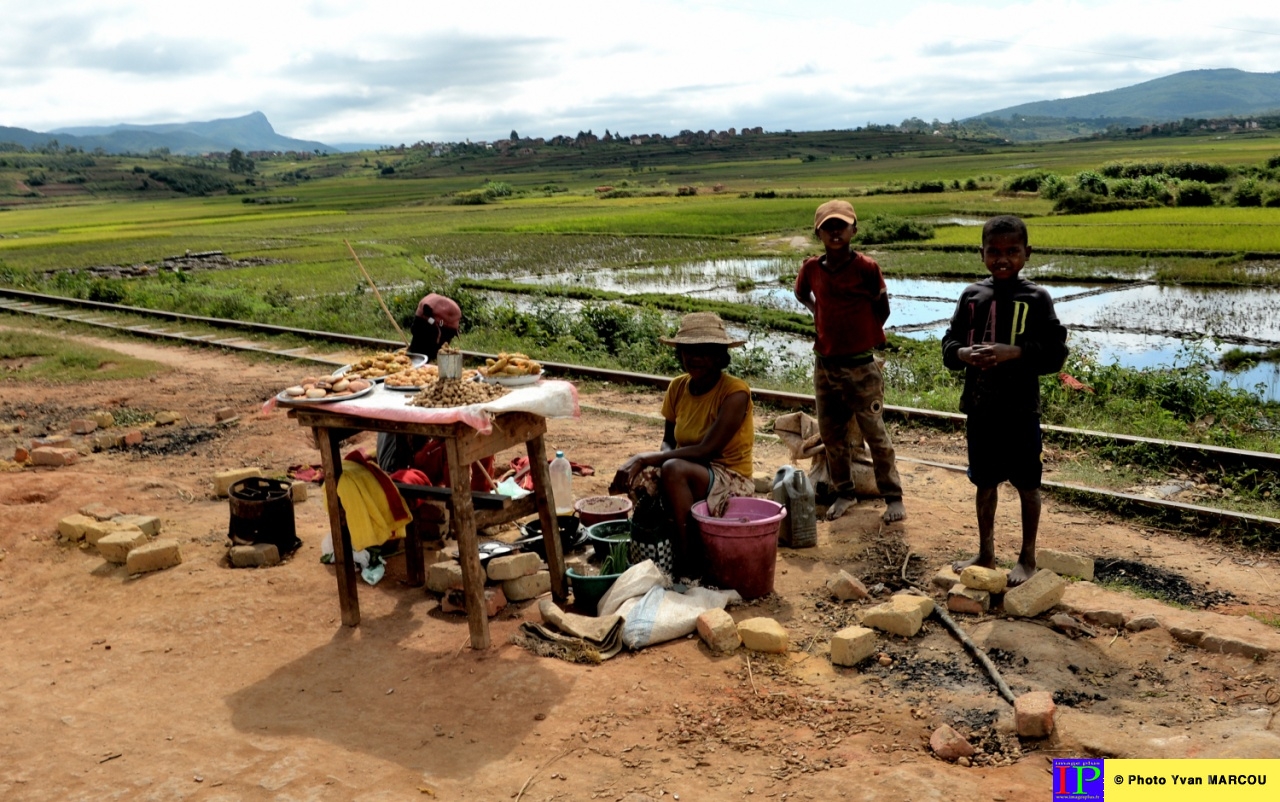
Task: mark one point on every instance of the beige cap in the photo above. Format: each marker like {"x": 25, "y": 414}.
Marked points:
{"x": 834, "y": 209}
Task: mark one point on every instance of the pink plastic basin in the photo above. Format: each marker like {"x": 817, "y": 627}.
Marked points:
{"x": 742, "y": 547}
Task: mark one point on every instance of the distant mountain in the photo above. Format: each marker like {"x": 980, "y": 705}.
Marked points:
{"x": 1195, "y": 93}
{"x": 248, "y": 133}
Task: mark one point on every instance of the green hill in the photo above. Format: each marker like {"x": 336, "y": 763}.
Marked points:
{"x": 1194, "y": 94}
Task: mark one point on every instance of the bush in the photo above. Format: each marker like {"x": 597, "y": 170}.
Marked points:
{"x": 1271, "y": 199}
{"x": 191, "y": 181}
{"x": 877, "y": 229}
{"x": 1273, "y": 163}
{"x": 1054, "y": 187}
{"x": 970, "y": 184}
{"x": 926, "y": 186}
{"x": 1077, "y": 201}
{"x": 1187, "y": 171}
{"x": 1247, "y": 193}
{"x": 1194, "y": 193}
{"x": 1090, "y": 181}
{"x": 765, "y": 193}
{"x": 1027, "y": 182}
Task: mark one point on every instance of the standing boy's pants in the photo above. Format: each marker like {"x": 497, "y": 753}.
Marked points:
{"x": 848, "y": 389}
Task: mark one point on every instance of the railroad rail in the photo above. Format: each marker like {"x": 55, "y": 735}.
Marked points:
{"x": 91, "y": 313}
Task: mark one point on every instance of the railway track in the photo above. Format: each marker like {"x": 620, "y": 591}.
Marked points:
{"x": 99, "y": 314}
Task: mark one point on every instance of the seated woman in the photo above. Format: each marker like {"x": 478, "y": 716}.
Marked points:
{"x": 706, "y": 447}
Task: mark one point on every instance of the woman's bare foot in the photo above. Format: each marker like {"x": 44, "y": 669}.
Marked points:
{"x": 980, "y": 561}
{"x": 839, "y": 507}
{"x": 895, "y": 512}
{"x": 1021, "y": 573}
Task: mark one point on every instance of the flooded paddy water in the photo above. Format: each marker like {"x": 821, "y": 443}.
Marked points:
{"x": 1135, "y": 324}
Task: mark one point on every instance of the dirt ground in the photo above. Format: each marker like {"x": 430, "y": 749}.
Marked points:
{"x": 203, "y": 682}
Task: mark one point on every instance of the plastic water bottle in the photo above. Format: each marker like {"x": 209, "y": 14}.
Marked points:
{"x": 792, "y": 489}
{"x": 562, "y": 484}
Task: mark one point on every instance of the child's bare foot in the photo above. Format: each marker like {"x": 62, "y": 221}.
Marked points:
{"x": 980, "y": 561}
{"x": 839, "y": 507}
{"x": 1021, "y": 573}
{"x": 896, "y": 512}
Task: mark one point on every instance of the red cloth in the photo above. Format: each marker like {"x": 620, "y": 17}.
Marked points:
{"x": 525, "y": 479}
{"x": 430, "y": 459}
{"x": 306, "y": 473}
{"x": 424, "y": 512}
{"x": 852, "y": 305}
{"x": 1071, "y": 382}
{"x": 394, "y": 500}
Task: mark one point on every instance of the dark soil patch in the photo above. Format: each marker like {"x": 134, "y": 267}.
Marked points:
{"x": 1077, "y": 698}
{"x": 912, "y": 671}
{"x": 1159, "y": 582}
{"x": 177, "y": 441}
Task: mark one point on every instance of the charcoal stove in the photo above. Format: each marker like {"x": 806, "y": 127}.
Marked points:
{"x": 262, "y": 512}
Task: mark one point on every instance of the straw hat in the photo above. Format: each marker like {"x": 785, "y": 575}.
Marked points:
{"x": 702, "y": 328}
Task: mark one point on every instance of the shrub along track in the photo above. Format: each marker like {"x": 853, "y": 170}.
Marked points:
{"x": 1256, "y": 528}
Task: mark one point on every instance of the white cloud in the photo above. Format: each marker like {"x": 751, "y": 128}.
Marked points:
{"x": 396, "y": 71}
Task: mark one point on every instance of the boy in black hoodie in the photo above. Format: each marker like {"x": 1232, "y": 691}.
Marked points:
{"x": 1004, "y": 335}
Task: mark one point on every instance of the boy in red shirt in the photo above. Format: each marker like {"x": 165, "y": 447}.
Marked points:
{"x": 847, "y": 296}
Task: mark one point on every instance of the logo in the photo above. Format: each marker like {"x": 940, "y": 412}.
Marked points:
{"x": 1079, "y": 779}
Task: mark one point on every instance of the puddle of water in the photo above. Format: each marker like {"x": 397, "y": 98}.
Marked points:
{"x": 1237, "y": 312}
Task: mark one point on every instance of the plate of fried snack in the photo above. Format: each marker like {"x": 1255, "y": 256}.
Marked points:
{"x": 312, "y": 390}
{"x": 415, "y": 379}
{"x": 511, "y": 370}
{"x": 378, "y": 366}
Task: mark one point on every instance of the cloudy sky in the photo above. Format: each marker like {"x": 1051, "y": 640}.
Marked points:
{"x": 387, "y": 71}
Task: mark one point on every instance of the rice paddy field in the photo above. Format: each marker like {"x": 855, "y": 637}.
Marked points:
{"x": 587, "y": 256}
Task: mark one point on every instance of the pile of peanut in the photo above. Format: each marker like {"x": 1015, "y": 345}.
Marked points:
{"x": 455, "y": 393}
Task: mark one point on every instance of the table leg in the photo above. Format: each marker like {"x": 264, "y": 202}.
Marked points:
{"x": 550, "y": 527}
{"x": 413, "y": 565}
{"x": 464, "y": 529}
{"x": 331, "y": 460}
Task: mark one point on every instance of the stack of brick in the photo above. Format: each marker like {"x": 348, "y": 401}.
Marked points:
{"x": 128, "y": 540}
{"x": 511, "y": 577}
{"x": 95, "y": 432}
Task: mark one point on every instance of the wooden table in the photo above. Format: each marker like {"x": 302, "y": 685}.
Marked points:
{"x": 463, "y": 445}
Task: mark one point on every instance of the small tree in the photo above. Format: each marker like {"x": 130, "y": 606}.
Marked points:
{"x": 514, "y": 136}
{"x": 237, "y": 163}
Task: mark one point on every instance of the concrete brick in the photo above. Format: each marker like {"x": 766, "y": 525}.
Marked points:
{"x": 762, "y": 481}
{"x": 1225, "y": 645}
{"x": 1065, "y": 564}
{"x": 455, "y": 601}
{"x": 105, "y": 441}
{"x": 1033, "y": 714}
{"x": 97, "y": 530}
{"x": 149, "y": 524}
{"x": 718, "y": 630}
{"x": 54, "y": 457}
{"x": 513, "y": 566}
{"x": 105, "y": 420}
{"x": 852, "y": 645}
{"x": 527, "y": 587}
{"x": 99, "y": 511}
{"x": 298, "y": 492}
{"x": 52, "y": 441}
{"x": 223, "y": 481}
{"x": 1039, "y": 593}
{"x": 21, "y": 455}
{"x": 764, "y": 635}
{"x": 904, "y": 598}
{"x": 949, "y": 745}
{"x": 72, "y": 527}
{"x": 258, "y": 555}
{"x": 1142, "y": 623}
{"x": 961, "y": 599}
{"x": 444, "y": 576}
{"x": 116, "y": 546}
{"x": 83, "y": 426}
{"x": 133, "y": 437}
{"x": 946, "y": 578}
{"x": 167, "y": 418}
{"x": 845, "y": 586}
{"x": 225, "y": 413}
{"x": 992, "y": 580}
{"x": 155, "y": 556}
{"x": 1105, "y": 618}
{"x": 227, "y": 422}
{"x": 895, "y": 617}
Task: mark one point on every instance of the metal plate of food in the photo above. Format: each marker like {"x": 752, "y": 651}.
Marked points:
{"x": 379, "y": 366}
{"x": 514, "y": 381}
{"x": 284, "y": 397}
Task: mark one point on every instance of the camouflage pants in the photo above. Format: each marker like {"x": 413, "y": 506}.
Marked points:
{"x": 847, "y": 393}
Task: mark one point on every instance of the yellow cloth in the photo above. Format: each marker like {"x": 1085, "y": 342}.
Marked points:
{"x": 369, "y": 517}
{"x": 694, "y": 415}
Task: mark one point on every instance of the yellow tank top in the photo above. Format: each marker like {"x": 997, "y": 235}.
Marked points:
{"x": 694, "y": 415}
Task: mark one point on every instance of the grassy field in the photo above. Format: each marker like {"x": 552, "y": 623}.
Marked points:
{"x": 34, "y": 357}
